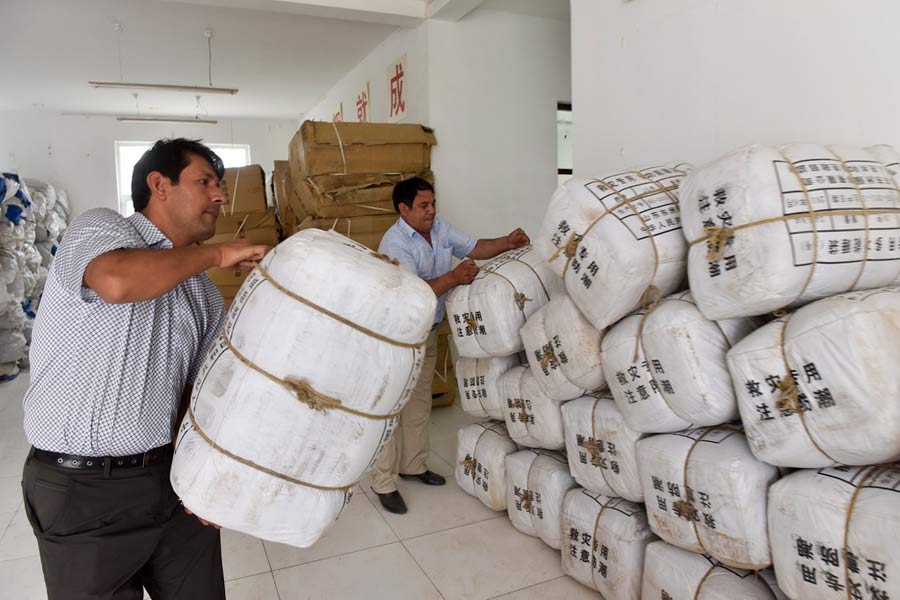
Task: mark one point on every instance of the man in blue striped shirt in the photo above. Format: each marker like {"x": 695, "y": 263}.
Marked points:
{"x": 426, "y": 245}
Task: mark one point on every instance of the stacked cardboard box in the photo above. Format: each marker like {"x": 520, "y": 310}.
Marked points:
{"x": 244, "y": 216}
{"x": 343, "y": 174}
{"x": 443, "y": 389}
{"x": 289, "y": 208}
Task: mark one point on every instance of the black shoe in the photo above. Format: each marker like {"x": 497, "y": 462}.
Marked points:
{"x": 393, "y": 502}
{"x": 428, "y": 478}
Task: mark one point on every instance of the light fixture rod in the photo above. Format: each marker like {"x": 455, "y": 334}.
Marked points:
{"x": 165, "y": 120}
{"x": 194, "y": 89}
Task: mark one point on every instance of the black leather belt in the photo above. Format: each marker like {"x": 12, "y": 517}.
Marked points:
{"x": 102, "y": 463}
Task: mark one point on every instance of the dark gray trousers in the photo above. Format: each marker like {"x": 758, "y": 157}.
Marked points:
{"x": 107, "y": 537}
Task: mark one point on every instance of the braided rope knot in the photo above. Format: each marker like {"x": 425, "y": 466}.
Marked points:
{"x": 307, "y": 395}
{"x": 548, "y": 358}
{"x": 685, "y": 510}
{"x": 521, "y": 299}
{"x": 790, "y": 397}
{"x": 386, "y": 258}
{"x": 470, "y": 463}
{"x": 472, "y": 324}
{"x": 717, "y": 237}
{"x": 525, "y": 496}
{"x": 568, "y": 249}
{"x": 592, "y": 448}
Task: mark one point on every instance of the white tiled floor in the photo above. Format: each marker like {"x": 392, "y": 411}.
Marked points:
{"x": 448, "y": 546}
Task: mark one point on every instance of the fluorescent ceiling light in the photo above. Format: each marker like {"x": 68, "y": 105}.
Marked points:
{"x": 185, "y": 120}
{"x": 194, "y": 89}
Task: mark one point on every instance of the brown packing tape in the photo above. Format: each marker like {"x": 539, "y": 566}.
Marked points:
{"x": 320, "y": 148}
{"x": 245, "y": 190}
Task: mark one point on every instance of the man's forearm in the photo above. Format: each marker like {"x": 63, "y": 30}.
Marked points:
{"x": 489, "y": 248}
{"x": 442, "y": 284}
{"x": 138, "y": 274}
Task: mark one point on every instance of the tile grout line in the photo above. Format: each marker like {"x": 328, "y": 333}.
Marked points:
{"x": 271, "y": 573}
{"x": 527, "y": 587}
{"x": 335, "y": 556}
{"x": 410, "y": 554}
{"x": 416, "y": 537}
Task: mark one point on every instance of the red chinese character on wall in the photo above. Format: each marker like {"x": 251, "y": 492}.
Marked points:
{"x": 362, "y": 106}
{"x": 398, "y": 103}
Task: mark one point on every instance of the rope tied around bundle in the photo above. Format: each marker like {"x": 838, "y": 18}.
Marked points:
{"x": 526, "y": 497}
{"x": 470, "y": 463}
{"x": 307, "y": 395}
{"x": 388, "y": 259}
{"x": 593, "y": 449}
{"x": 520, "y": 300}
{"x": 717, "y": 238}
{"x": 548, "y": 357}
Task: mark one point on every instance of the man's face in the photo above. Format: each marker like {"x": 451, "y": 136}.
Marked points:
{"x": 195, "y": 201}
{"x": 421, "y": 216}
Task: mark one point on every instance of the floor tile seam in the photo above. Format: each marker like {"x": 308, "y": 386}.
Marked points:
{"x": 424, "y": 572}
{"x": 416, "y": 537}
{"x": 312, "y": 562}
{"x": 526, "y": 588}
{"x": 271, "y": 573}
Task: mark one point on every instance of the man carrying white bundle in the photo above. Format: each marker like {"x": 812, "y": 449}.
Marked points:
{"x": 425, "y": 245}
{"x": 125, "y": 321}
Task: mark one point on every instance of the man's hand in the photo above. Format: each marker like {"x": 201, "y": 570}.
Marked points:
{"x": 517, "y": 239}
{"x": 240, "y": 254}
{"x": 204, "y": 521}
{"x": 465, "y": 272}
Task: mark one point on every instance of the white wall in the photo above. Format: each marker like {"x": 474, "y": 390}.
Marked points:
{"x": 657, "y": 80}
{"x": 78, "y": 153}
{"x": 374, "y": 69}
{"x": 489, "y": 85}
{"x": 495, "y": 81}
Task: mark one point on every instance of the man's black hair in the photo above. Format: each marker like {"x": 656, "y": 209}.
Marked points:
{"x": 405, "y": 191}
{"x": 169, "y": 157}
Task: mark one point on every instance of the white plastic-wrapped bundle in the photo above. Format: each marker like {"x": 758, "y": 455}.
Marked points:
{"x": 320, "y": 351}
{"x": 13, "y": 345}
{"x": 671, "y": 573}
{"x": 532, "y": 418}
{"x": 604, "y": 540}
{"x": 536, "y": 485}
{"x": 834, "y": 533}
{"x": 705, "y": 492}
{"x": 839, "y": 405}
{"x": 486, "y": 315}
{"x": 481, "y": 451}
{"x": 634, "y": 382}
{"x": 8, "y": 371}
{"x": 602, "y": 448}
{"x": 47, "y": 250}
{"x": 62, "y": 205}
{"x": 42, "y": 196}
{"x": 479, "y": 384}
{"x": 563, "y": 350}
{"x": 579, "y": 201}
{"x": 778, "y": 227}
{"x": 619, "y": 241}
{"x": 684, "y": 360}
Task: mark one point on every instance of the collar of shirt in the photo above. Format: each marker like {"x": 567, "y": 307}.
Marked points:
{"x": 150, "y": 232}
{"x": 407, "y": 229}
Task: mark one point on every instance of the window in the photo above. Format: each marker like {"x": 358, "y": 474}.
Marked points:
{"x": 563, "y": 141}
{"x": 128, "y": 153}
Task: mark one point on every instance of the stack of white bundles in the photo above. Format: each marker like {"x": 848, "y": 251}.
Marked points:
{"x": 839, "y": 403}
{"x": 634, "y": 382}
{"x": 684, "y": 361}
{"x": 671, "y": 573}
{"x": 486, "y": 315}
{"x": 778, "y": 227}
{"x": 479, "y": 384}
{"x": 604, "y": 540}
{"x": 835, "y": 531}
{"x": 481, "y": 451}
{"x": 319, "y": 353}
{"x": 602, "y": 448}
{"x": 563, "y": 350}
{"x": 619, "y": 241}
{"x": 536, "y": 485}
{"x": 705, "y": 492}
{"x": 532, "y": 418}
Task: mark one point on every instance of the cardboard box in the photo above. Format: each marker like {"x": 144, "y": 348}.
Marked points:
{"x": 352, "y": 195}
{"x": 320, "y": 148}
{"x": 367, "y": 231}
{"x": 444, "y": 387}
{"x": 245, "y": 190}
{"x": 258, "y": 220}
{"x": 289, "y": 215}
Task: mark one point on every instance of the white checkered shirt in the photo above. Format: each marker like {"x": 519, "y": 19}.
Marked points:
{"x": 106, "y": 379}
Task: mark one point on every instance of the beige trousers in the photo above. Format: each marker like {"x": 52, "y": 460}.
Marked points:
{"x": 407, "y": 450}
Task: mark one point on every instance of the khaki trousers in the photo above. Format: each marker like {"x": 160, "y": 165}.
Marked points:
{"x": 407, "y": 450}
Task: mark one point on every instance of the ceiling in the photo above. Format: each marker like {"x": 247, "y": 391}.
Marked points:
{"x": 283, "y": 55}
